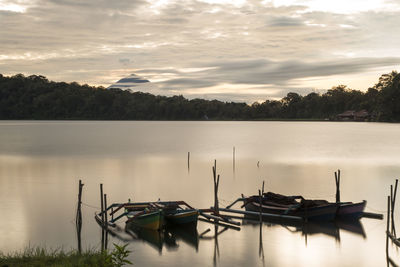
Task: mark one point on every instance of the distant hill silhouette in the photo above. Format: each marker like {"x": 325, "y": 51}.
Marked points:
{"x": 132, "y": 82}
{"x": 35, "y": 97}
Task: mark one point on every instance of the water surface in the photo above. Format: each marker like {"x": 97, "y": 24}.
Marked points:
{"x": 41, "y": 163}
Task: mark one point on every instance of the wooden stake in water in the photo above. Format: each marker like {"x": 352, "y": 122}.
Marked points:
{"x": 188, "y": 161}
{"x": 216, "y": 184}
{"x": 388, "y": 225}
{"x": 260, "y": 200}
{"x": 393, "y": 202}
{"x": 105, "y": 211}
{"x": 233, "y": 159}
{"x": 337, "y": 180}
{"x": 78, "y": 219}
{"x": 263, "y": 187}
{"x": 102, "y": 203}
{"x": 106, "y": 222}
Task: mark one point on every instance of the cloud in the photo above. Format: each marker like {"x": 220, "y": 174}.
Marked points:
{"x": 124, "y": 61}
{"x": 267, "y": 72}
{"x": 256, "y": 43}
{"x": 285, "y": 22}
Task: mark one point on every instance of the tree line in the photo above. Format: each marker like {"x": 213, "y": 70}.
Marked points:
{"x": 35, "y": 97}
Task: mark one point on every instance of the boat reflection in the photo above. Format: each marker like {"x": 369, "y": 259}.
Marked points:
{"x": 330, "y": 229}
{"x": 169, "y": 237}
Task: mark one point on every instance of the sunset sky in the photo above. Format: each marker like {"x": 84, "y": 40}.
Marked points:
{"x": 229, "y": 50}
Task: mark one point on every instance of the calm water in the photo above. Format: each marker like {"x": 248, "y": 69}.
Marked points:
{"x": 41, "y": 163}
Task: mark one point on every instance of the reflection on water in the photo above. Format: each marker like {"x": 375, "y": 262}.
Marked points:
{"x": 328, "y": 229}
{"x": 169, "y": 237}
{"x": 41, "y": 163}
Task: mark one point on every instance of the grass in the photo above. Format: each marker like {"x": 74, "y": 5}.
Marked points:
{"x": 40, "y": 257}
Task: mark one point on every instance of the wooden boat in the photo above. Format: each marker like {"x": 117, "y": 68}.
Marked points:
{"x": 182, "y": 217}
{"x": 312, "y": 209}
{"x": 315, "y": 210}
{"x": 148, "y": 219}
{"x": 350, "y": 210}
{"x": 173, "y": 212}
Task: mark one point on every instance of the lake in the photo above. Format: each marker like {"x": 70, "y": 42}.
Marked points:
{"x": 41, "y": 163}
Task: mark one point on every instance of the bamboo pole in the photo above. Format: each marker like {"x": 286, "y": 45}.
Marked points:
{"x": 234, "y": 159}
{"x": 264, "y": 215}
{"x": 260, "y": 199}
{"x": 78, "y": 219}
{"x": 263, "y": 187}
{"x": 393, "y": 202}
{"x": 372, "y": 215}
{"x": 221, "y": 224}
{"x": 105, "y": 213}
{"x": 216, "y": 184}
{"x": 388, "y": 224}
{"x": 337, "y": 180}
{"x": 102, "y": 202}
{"x": 188, "y": 161}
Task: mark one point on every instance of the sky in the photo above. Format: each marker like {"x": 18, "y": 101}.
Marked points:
{"x": 231, "y": 50}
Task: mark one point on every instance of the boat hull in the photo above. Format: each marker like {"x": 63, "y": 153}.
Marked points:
{"x": 152, "y": 220}
{"x": 351, "y": 211}
{"x": 182, "y": 217}
{"x": 318, "y": 213}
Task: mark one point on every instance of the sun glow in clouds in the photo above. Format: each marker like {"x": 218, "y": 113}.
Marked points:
{"x": 15, "y": 6}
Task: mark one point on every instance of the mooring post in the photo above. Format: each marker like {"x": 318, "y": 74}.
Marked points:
{"x": 188, "y": 161}
{"x": 102, "y": 203}
{"x": 233, "y": 159}
{"x": 260, "y": 200}
{"x": 393, "y": 202}
{"x": 391, "y": 206}
{"x": 78, "y": 220}
{"x": 337, "y": 180}
{"x": 387, "y": 225}
{"x": 263, "y": 187}
{"x": 105, "y": 211}
{"x": 216, "y": 184}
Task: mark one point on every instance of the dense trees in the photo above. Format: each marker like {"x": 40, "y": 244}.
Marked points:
{"x": 35, "y": 97}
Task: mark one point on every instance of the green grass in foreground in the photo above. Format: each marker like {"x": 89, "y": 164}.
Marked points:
{"x": 38, "y": 257}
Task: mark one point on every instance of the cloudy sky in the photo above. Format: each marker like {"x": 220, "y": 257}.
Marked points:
{"x": 233, "y": 50}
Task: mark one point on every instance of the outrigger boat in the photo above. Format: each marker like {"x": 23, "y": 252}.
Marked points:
{"x": 155, "y": 215}
{"x": 315, "y": 210}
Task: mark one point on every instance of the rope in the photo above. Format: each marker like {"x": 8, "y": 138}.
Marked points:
{"x": 90, "y": 206}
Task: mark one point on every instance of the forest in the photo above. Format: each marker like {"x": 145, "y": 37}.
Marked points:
{"x": 36, "y": 98}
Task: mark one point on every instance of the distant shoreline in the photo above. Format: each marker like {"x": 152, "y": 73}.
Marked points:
{"x": 36, "y": 98}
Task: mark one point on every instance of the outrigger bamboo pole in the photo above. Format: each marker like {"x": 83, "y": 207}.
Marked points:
{"x": 264, "y": 215}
